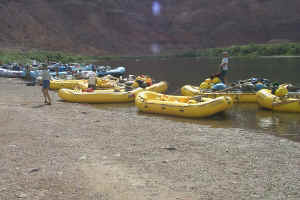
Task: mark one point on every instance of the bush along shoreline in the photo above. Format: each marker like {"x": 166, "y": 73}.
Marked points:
{"x": 40, "y": 56}
{"x": 250, "y": 50}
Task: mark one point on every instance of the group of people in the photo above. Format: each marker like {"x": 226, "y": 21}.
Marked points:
{"x": 222, "y": 74}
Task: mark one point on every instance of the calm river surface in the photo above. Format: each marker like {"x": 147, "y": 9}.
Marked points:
{"x": 178, "y": 72}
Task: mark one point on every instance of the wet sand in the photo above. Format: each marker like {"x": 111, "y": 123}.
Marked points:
{"x": 76, "y": 151}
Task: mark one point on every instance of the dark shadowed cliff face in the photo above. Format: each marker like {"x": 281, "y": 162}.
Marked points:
{"x": 130, "y": 27}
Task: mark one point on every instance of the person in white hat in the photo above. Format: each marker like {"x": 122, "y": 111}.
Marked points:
{"x": 224, "y": 67}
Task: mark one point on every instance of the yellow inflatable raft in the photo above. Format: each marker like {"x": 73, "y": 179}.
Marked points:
{"x": 98, "y": 96}
{"x": 70, "y": 84}
{"x": 266, "y": 99}
{"x": 183, "y": 106}
{"x": 107, "y": 96}
{"x": 237, "y": 97}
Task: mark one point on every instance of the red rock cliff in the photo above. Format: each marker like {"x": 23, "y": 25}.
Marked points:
{"x": 130, "y": 27}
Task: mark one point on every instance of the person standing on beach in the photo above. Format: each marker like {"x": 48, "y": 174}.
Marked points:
{"x": 46, "y": 84}
{"x": 224, "y": 67}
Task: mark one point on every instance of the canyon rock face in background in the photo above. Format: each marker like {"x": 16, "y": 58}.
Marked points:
{"x": 136, "y": 27}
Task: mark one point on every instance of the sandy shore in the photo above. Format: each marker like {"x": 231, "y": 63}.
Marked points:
{"x": 112, "y": 152}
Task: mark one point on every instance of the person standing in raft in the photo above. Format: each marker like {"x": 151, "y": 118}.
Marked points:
{"x": 92, "y": 79}
{"x": 46, "y": 84}
{"x": 224, "y": 67}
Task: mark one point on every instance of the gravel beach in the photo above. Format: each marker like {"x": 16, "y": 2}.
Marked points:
{"x": 113, "y": 152}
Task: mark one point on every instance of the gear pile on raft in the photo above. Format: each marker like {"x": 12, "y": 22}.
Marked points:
{"x": 104, "y": 84}
{"x": 270, "y": 95}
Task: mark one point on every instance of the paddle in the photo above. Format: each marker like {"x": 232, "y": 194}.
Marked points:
{"x": 293, "y": 88}
{"x": 293, "y": 93}
{"x": 283, "y": 102}
{"x": 229, "y": 88}
{"x": 197, "y": 98}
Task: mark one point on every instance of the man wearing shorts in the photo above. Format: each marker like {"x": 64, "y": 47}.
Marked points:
{"x": 46, "y": 85}
{"x": 224, "y": 67}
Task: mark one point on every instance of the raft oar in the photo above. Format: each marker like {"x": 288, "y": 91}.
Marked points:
{"x": 293, "y": 93}
{"x": 285, "y": 102}
{"x": 197, "y": 98}
{"x": 229, "y": 88}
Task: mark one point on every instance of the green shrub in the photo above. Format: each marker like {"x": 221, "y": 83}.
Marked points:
{"x": 250, "y": 50}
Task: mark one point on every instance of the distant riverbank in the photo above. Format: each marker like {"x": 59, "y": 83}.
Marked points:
{"x": 285, "y": 50}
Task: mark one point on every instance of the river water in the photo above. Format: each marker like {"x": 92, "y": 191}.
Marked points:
{"x": 181, "y": 71}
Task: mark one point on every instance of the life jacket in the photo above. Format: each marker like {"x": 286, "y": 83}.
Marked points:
{"x": 281, "y": 91}
{"x": 216, "y": 80}
{"x": 208, "y": 81}
{"x": 204, "y": 85}
{"x": 149, "y": 81}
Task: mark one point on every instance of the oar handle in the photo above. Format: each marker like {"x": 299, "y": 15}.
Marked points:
{"x": 229, "y": 88}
